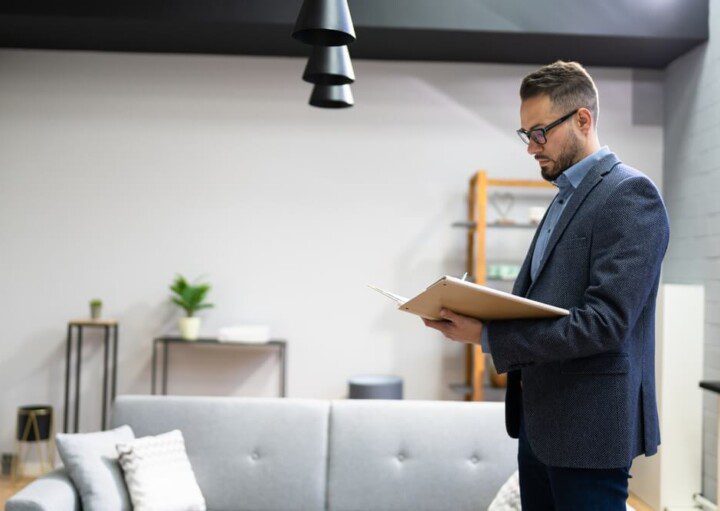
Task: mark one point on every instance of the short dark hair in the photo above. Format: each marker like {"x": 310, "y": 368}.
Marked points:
{"x": 568, "y": 85}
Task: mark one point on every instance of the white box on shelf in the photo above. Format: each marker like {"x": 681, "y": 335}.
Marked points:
{"x": 249, "y": 333}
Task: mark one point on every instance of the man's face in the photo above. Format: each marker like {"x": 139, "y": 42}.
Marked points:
{"x": 562, "y": 146}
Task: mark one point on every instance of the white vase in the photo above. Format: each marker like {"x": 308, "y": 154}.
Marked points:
{"x": 189, "y": 328}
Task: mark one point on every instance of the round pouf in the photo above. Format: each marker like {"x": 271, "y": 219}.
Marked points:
{"x": 375, "y": 386}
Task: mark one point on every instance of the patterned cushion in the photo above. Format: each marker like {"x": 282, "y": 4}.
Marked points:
{"x": 158, "y": 474}
{"x": 508, "y": 498}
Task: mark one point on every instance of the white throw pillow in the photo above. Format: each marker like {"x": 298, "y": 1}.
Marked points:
{"x": 91, "y": 462}
{"x": 158, "y": 474}
{"x": 508, "y": 498}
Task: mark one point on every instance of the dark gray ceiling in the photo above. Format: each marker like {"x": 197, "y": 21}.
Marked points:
{"x": 634, "y": 33}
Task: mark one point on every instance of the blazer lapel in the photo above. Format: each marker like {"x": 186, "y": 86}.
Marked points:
{"x": 594, "y": 176}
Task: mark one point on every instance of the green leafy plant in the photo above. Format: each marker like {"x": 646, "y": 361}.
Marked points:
{"x": 96, "y": 302}
{"x": 190, "y": 297}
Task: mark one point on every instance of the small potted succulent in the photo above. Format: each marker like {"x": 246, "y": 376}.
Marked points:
{"x": 190, "y": 298}
{"x": 95, "y": 308}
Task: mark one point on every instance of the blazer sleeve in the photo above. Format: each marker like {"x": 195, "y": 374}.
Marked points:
{"x": 630, "y": 237}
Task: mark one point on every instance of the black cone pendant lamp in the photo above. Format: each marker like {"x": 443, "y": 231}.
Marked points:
{"x": 324, "y": 23}
{"x": 329, "y": 65}
{"x": 332, "y": 96}
{"x": 328, "y": 27}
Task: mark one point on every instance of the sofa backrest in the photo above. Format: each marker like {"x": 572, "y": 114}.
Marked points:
{"x": 420, "y": 455}
{"x": 247, "y": 453}
{"x": 270, "y": 454}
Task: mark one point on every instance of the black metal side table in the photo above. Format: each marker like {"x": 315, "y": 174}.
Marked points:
{"x": 165, "y": 341}
{"x": 110, "y": 326}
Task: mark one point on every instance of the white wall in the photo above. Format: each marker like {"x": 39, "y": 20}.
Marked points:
{"x": 118, "y": 170}
{"x": 693, "y": 177}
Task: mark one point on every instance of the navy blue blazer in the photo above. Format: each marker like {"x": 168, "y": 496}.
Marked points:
{"x": 588, "y": 379}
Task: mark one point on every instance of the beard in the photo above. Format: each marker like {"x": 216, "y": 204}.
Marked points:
{"x": 568, "y": 156}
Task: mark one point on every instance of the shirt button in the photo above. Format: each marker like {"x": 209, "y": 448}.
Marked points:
{"x": 562, "y": 201}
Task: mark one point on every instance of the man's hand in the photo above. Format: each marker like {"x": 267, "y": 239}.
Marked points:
{"x": 457, "y": 327}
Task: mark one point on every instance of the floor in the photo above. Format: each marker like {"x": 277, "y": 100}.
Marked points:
{"x": 9, "y": 488}
{"x": 638, "y": 504}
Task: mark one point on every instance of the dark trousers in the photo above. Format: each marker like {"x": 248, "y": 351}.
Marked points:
{"x": 545, "y": 488}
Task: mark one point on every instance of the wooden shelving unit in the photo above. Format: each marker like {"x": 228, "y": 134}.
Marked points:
{"x": 473, "y": 388}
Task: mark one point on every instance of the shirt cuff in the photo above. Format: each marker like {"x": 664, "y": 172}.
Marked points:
{"x": 484, "y": 340}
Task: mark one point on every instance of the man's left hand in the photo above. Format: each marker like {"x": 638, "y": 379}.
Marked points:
{"x": 457, "y": 327}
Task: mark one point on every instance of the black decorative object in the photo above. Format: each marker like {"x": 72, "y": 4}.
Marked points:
{"x": 34, "y": 423}
{"x": 35, "y": 428}
{"x": 329, "y": 65}
{"x": 324, "y": 23}
{"x": 7, "y": 463}
{"x": 332, "y": 96}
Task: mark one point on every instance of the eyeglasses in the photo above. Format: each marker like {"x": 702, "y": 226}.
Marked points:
{"x": 539, "y": 135}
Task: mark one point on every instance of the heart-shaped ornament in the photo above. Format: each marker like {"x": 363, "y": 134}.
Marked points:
{"x": 502, "y": 203}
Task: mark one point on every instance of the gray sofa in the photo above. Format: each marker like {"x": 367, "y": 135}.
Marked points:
{"x": 311, "y": 454}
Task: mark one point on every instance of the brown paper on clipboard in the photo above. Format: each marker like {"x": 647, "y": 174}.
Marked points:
{"x": 474, "y": 300}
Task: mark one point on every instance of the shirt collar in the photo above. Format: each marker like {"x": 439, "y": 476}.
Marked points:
{"x": 575, "y": 173}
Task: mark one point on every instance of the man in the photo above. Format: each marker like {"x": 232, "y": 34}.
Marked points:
{"x": 581, "y": 388}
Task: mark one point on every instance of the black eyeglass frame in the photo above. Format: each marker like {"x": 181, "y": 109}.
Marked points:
{"x": 535, "y": 133}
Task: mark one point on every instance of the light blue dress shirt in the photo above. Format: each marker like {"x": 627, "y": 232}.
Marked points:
{"x": 567, "y": 183}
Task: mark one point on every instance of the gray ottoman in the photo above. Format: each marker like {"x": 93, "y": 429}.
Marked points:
{"x": 375, "y": 386}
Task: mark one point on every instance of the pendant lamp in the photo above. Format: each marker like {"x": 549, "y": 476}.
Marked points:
{"x": 329, "y": 65}
{"x": 324, "y": 23}
{"x": 332, "y": 96}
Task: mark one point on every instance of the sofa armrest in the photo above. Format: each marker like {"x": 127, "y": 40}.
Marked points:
{"x": 52, "y": 492}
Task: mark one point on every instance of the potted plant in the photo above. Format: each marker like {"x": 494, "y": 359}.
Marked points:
{"x": 190, "y": 298}
{"x": 95, "y": 308}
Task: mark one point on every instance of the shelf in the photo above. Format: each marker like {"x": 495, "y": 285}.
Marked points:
{"x": 498, "y": 225}
{"x": 476, "y": 228}
{"x": 490, "y": 393}
{"x": 470, "y": 278}
{"x": 712, "y": 386}
{"x": 495, "y": 225}
{"x": 466, "y": 224}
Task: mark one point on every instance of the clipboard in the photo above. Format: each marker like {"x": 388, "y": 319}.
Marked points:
{"x": 474, "y": 300}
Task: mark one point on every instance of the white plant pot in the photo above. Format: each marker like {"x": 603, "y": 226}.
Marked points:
{"x": 189, "y": 328}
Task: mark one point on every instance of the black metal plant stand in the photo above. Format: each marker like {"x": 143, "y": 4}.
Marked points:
{"x": 110, "y": 327}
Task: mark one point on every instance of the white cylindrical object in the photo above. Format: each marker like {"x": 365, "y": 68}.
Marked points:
{"x": 189, "y": 328}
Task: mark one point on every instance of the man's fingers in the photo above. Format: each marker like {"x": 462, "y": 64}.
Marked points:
{"x": 433, "y": 324}
{"x": 437, "y": 325}
{"x": 448, "y": 315}
{"x": 442, "y": 326}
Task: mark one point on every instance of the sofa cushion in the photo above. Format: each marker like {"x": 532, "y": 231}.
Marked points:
{"x": 247, "y": 453}
{"x": 508, "y": 498}
{"x": 91, "y": 461}
{"x": 158, "y": 474}
{"x": 419, "y": 455}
